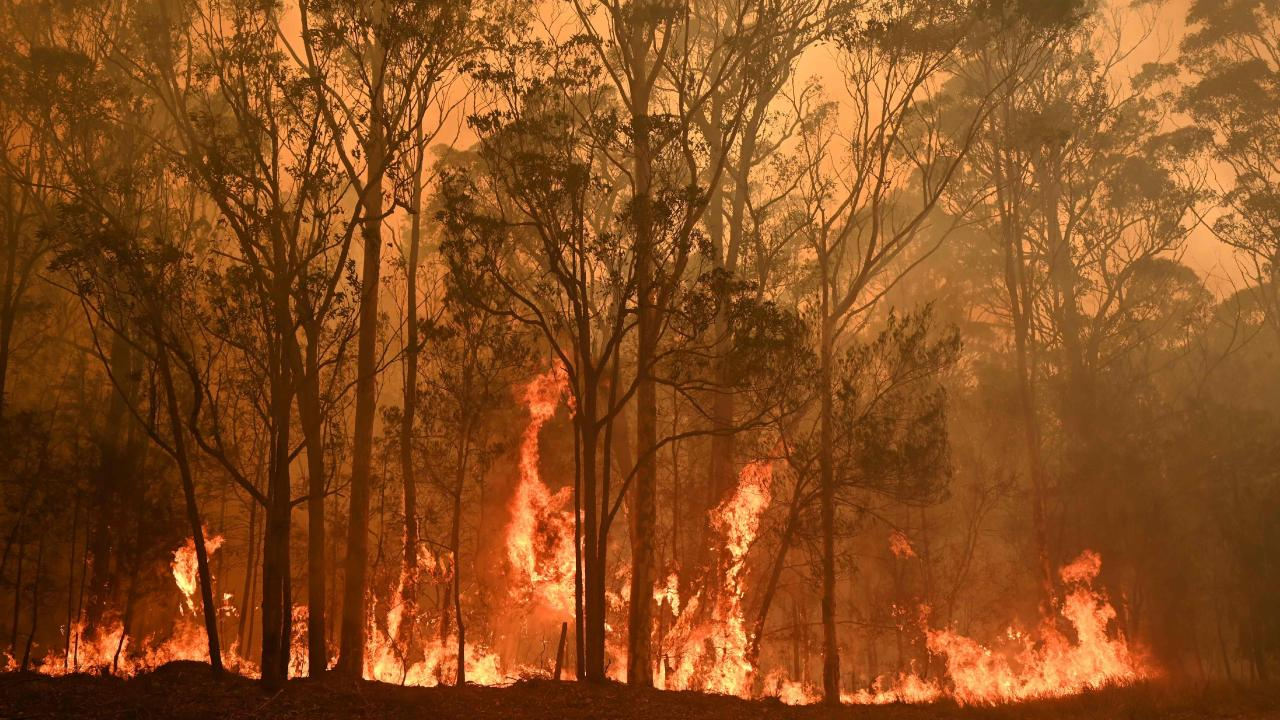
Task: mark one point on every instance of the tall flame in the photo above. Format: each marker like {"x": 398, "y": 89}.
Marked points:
{"x": 1022, "y": 668}
{"x": 185, "y": 568}
{"x": 712, "y": 655}
{"x": 540, "y": 535}
{"x": 706, "y": 648}
{"x": 1054, "y": 667}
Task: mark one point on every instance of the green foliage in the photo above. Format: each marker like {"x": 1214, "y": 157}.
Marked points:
{"x": 891, "y": 410}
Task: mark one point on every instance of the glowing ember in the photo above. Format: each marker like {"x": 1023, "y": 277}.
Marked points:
{"x": 540, "y": 535}
{"x": 900, "y": 546}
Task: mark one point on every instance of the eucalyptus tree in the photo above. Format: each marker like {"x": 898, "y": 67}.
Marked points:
{"x": 875, "y": 174}
{"x": 754, "y": 180}
{"x": 1230, "y": 52}
{"x": 1018, "y": 43}
{"x": 666, "y": 62}
{"x": 249, "y": 135}
{"x": 1084, "y": 196}
{"x": 529, "y": 236}
{"x": 133, "y": 274}
{"x": 123, "y": 226}
{"x": 371, "y": 67}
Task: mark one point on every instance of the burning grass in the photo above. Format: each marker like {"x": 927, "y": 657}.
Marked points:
{"x": 1071, "y": 652}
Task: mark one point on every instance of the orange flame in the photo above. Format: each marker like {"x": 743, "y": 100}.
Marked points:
{"x": 706, "y": 649}
{"x": 712, "y": 655}
{"x": 1057, "y": 666}
{"x": 185, "y": 568}
{"x": 108, "y": 649}
{"x": 900, "y": 546}
{"x": 385, "y": 662}
{"x": 540, "y": 535}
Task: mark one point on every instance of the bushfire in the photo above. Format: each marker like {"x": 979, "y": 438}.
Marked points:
{"x": 706, "y": 643}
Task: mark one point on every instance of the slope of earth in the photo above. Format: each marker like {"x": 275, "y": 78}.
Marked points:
{"x": 187, "y": 690}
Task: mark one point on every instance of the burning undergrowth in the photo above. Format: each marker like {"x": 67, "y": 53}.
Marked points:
{"x": 705, "y": 643}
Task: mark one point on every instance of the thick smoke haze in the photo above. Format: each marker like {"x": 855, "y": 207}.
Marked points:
{"x": 861, "y": 352}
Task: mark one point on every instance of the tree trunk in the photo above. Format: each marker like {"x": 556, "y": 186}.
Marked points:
{"x": 115, "y": 464}
{"x": 71, "y": 579}
{"x": 312, "y": 417}
{"x": 830, "y": 648}
{"x": 593, "y": 558}
{"x": 351, "y": 653}
{"x": 246, "y": 597}
{"x": 193, "y": 510}
{"x": 644, "y": 500}
{"x": 35, "y": 604}
{"x": 409, "y": 569}
{"x": 8, "y": 314}
{"x": 276, "y": 609}
{"x": 1021, "y": 306}
{"x": 17, "y": 601}
{"x": 455, "y": 550}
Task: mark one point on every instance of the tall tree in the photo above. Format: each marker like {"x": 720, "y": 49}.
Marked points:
{"x": 530, "y": 236}
{"x": 643, "y": 46}
{"x": 1231, "y": 53}
{"x": 371, "y": 67}
{"x": 250, "y": 136}
{"x": 868, "y": 203}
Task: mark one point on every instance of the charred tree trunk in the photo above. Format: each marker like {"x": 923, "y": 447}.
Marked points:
{"x": 351, "y": 652}
{"x": 455, "y": 550}
{"x": 35, "y": 604}
{"x": 246, "y": 597}
{"x": 192, "y": 508}
{"x": 17, "y": 601}
{"x": 827, "y": 492}
{"x": 644, "y": 501}
{"x": 276, "y": 608}
{"x": 312, "y": 417}
{"x": 116, "y": 463}
{"x": 409, "y": 569}
{"x": 593, "y": 559}
{"x": 8, "y": 294}
{"x": 71, "y": 579}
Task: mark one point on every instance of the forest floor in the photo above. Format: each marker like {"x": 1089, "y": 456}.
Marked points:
{"x": 187, "y": 690}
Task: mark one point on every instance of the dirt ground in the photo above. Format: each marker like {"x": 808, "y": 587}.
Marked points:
{"x": 187, "y": 690}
